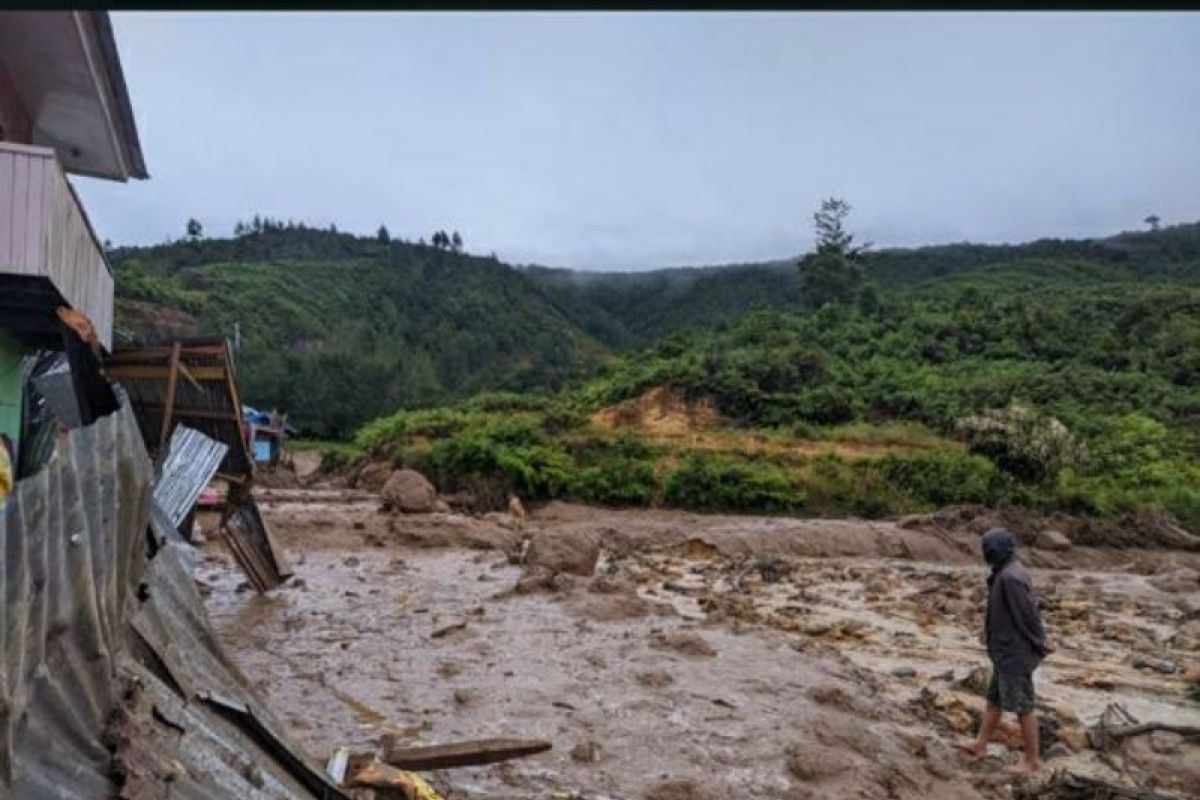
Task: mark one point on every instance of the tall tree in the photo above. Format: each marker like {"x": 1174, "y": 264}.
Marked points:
{"x": 832, "y": 274}
{"x": 456, "y": 242}
{"x": 383, "y": 236}
{"x": 1153, "y": 221}
{"x": 194, "y": 229}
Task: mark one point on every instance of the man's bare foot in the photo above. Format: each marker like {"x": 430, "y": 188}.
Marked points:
{"x": 974, "y": 750}
{"x": 1024, "y": 767}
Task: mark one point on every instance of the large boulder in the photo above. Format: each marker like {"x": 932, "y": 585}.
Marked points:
{"x": 408, "y": 491}
{"x": 373, "y": 476}
{"x": 574, "y": 552}
{"x": 1052, "y": 540}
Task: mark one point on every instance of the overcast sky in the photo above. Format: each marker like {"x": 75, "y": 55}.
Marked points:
{"x": 629, "y": 141}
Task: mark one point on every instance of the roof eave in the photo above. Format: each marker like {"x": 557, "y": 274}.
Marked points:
{"x": 114, "y": 78}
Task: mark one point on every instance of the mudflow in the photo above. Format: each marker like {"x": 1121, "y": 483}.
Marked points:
{"x": 674, "y": 656}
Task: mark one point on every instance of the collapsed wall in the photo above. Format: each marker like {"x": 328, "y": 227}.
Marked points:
{"x": 112, "y": 683}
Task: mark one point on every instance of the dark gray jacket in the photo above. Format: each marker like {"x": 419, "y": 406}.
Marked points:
{"x": 1016, "y": 640}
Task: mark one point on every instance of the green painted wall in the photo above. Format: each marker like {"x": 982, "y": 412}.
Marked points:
{"x": 11, "y": 387}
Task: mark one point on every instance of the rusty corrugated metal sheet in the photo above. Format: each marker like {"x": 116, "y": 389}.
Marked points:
{"x": 106, "y": 646}
{"x": 73, "y": 539}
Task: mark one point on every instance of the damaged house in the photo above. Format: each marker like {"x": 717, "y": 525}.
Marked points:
{"x": 112, "y": 683}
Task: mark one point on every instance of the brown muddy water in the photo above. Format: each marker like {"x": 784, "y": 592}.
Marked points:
{"x": 710, "y": 657}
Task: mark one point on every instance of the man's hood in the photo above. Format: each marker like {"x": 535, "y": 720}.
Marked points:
{"x": 999, "y": 547}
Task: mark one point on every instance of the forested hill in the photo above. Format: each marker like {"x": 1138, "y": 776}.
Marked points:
{"x": 633, "y": 309}
{"x": 338, "y": 329}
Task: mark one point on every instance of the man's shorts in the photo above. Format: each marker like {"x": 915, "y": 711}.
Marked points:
{"x": 1011, "y": 692}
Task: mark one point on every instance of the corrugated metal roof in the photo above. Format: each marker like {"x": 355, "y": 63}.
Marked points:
{"x": 192, "y": 460}
{"x": 107, "y": 646}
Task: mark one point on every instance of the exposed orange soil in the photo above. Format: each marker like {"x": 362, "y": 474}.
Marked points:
{"x": 663, "y": 416}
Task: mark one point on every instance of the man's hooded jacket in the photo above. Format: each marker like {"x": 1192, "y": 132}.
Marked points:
{"x": 1016, "y": 641}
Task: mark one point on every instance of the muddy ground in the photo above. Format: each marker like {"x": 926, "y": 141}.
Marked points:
{"x": 698, "y": 656}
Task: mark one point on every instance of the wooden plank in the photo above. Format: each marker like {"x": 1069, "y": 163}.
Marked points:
{"x": 187, "y": 373}
{"x": 183, "y": 412}
{"x": 458, "y": 754}
{"x": 243, "y": 445}
{"x": 163, "y": 352}
{"x": 142, "y": 372}
{"x": 169, "y": 405}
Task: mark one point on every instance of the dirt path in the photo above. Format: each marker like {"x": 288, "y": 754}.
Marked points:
{"x": 708, "y": 657}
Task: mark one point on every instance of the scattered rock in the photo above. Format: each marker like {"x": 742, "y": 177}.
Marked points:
{"x": 679, "y": 790}
{"x": 1165, "y": 666}
{"x": 685, "y": 642}
{"x": 465, "y": 697}
{"x": 975, "y": 681}
{"x": 537, "y": 578}
{"x": 1052, "y": 540}
{"x": 373, "y": 476}
{"x": 654, "y": 679}
{"x": 904, "y": 671}
{"x": 448, "y": 629}
{"x": 616, "y": 607}
{"x": 586, "y": 752}
{"x": 810, "y": 761}
{"x": 449, "y": 669}
{"x": 408, "y": 491}
{"x": 572, "y": 552}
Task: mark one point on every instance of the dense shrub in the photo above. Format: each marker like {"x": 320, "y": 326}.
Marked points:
{"x": 616, "y": 482}
{"x": 943, "y": 477}
{"x": 714, "y": 482}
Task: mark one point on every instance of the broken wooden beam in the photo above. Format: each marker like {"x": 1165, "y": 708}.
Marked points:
{"x": 390, "y": 782}
{"x": 457, "y": 754}
{"x": 143, "y": 372}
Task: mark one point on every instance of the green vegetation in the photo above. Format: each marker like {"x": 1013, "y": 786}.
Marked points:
{"x": 1053, "y": 375}
{"x": 1045, "y": 383}
{"x": 338, "y": 329}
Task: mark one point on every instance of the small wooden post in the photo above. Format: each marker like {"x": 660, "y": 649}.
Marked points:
{"x": 169, "y": 405}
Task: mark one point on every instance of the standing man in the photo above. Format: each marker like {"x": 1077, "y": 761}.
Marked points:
{"x": 1016, "y": 644}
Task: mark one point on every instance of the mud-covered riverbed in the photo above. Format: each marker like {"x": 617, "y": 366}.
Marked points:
{"x": 704, "y": 657}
